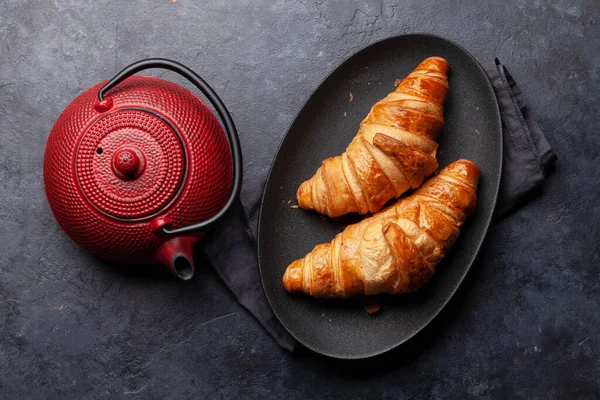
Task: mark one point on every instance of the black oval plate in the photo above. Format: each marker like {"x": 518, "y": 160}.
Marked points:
{"x": 323, "y": 128}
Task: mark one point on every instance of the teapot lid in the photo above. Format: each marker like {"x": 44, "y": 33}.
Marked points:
{"x": 131, "y": 164}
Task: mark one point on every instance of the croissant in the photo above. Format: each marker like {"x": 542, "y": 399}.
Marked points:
{"x": 377, "y": 168}
{"x": 395, "y": 250}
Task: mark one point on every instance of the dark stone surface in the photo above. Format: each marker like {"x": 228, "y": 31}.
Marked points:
{"x": 526, "y": 323}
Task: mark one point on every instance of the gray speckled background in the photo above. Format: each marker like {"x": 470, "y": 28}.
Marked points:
{"x": 526, "y": 323}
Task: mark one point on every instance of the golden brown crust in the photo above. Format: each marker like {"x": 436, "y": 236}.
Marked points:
{"x": 364, "y": 178}
{"x": 414, "y": 271}
{"x": 415, "y": 165}
{"x": 395, "y": 250}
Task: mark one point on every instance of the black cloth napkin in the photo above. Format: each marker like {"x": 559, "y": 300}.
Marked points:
{"x": 527, "y": 156}
{"x": 231, "y": 250}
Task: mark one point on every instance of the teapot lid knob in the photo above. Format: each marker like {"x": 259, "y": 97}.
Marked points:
{"x": 128, "y": 163}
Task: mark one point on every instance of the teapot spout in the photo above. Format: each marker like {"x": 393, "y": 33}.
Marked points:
{"x": 177, "y": 254}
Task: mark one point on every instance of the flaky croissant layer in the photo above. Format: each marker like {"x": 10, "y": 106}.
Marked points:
{"x": 393, "y": 151}
{"x": 395, "y": 250}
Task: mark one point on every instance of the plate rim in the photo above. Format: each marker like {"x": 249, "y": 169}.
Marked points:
{"x": 488, "y": 222}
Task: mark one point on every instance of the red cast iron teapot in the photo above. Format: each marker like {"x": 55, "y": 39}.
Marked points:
{"x": 138, "y": 168}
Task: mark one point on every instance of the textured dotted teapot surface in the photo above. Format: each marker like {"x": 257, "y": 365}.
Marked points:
{"x": 158, "y": 152}
{"x": 151, "y": 140}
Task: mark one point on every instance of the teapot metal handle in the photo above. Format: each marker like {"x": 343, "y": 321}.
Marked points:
{"x": 231, "y": 133}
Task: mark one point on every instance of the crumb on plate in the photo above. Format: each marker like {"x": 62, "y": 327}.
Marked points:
{"x": 372, "y": 308}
